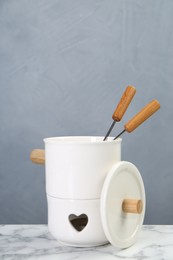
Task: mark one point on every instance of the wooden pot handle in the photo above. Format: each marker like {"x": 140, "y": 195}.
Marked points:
{"x": 38, "y": 156}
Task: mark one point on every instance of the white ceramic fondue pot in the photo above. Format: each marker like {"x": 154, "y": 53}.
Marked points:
{"x": 93, "y": 197}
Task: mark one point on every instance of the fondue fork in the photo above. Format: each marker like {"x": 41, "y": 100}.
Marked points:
{"x": 140, "y": 117}
{"x": 121, "y": 107}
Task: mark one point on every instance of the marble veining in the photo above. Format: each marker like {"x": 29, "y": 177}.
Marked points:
{"x": 35, "y": 242}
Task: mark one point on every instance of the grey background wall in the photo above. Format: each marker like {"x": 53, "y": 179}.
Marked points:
{"x": 64, "y": 64}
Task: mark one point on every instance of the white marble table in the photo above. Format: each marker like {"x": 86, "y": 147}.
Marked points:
{"x": 35, "y": 242}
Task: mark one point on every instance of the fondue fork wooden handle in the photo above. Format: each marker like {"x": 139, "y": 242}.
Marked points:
{"x": 121, "y": 107}
{"x": 124, "y": 103}
{"x": 140, "y": 117}
{"x": 38, "y": 156}
{"x": 143, "y": 115}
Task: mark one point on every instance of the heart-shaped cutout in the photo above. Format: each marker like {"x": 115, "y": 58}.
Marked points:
{"x": 78, "y": 222}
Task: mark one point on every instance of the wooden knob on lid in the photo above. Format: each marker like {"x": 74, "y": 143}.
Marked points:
{"x": 132, "y": 206}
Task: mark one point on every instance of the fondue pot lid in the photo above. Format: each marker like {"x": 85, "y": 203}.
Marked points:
{"x": 122, "y": 182}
